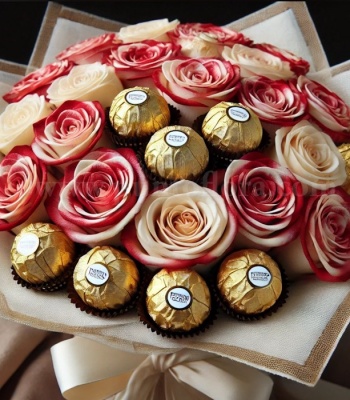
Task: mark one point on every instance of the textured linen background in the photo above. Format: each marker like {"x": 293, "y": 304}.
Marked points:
{"x": 297, "y": 341}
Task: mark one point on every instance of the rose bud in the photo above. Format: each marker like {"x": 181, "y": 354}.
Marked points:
{"x": 98, "y": 196}
{"x": 267, "y": 199}
{"x": 327, "y": 110}
{"x": 24, "y": 184}
{"x": 89, "y": 50}
{"x": 38, "y": 81}
{"x": 156, "y": 29}
{"x": 181, "y": 226}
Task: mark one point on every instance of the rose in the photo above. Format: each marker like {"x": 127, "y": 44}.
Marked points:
{"x": 267, "y": 199}
{"x": 16, "y": 121}
{"x": 38, "y": 81}
{"x": 179, "y": 227}
{"x": 275, "y": 101}
{"x": 205, "y": 40}
{"x": 155, "y": 29}
{"x": 139, "y": 60}
{"x": 69, "y": 133}
{"x": 23, "y": 185}
{"x": 325, "y": 236}
{"x": 87, "y": 82}
{"x": 310, "y": 155}
{"x": 257, "y": 62}
{"x": 90, "y": 50}
{"x": 98, "y": 196}
{"x": 327, "y": 109}
{"x": 297, "y": 64}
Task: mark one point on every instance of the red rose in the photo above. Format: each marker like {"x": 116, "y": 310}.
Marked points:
{"x": 98, "y": 196}
{"x": 70, "y": 132}
{"x": 327, "y": 109}
{"x": 267, "y": 199}
{"x": 297, "y": 64}
{"x": 325, "y": 236}
{"x": 275, "y": 101}
{"x": 38, "y": 81}
{"x": 23, "y": 185}
{"x": 90, "y": 50}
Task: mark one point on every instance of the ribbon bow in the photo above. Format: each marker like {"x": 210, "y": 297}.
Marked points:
{"x": 89, "y": 370}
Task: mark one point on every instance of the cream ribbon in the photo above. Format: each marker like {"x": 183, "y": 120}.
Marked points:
{"x": 88, "y": 370}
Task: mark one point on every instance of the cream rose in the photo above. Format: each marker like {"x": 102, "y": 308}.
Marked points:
{"x": 311, "y": 155}
{"x": 180, "y": 227}
{"x": 87, "y": 82}
{"x": 155, "y": 29}
{"x": 257, "y": 62}
{"x": 16, "y": 122}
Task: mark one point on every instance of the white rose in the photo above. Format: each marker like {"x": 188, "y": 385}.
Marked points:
{"x": 253, "y": 61}
{"x": 155, "y": 29}
{"x": 16, "y": 122}
{"x": 88, "y": 82}
{"x": 310, "y": 155}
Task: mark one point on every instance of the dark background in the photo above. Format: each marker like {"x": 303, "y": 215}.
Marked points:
{"x": 20, "y": 20}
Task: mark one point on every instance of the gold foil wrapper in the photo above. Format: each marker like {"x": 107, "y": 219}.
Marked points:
{"x": 240, "y": 132}
{"x": 178, "y": 300}
{"x": 149, "y": 113}
{"x": 116, "y": 278}
{"x": 53, "y": 254}
{"x": 344, "y": 150}
{"x": 237, "y": 289}
{"x": 176, "y": 152}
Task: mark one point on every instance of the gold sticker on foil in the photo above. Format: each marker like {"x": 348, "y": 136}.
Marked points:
{"x": 176, "y": 138}
{"x": 238, "y": 114}
{"x": 136, "y": 97}
{"x": 259, "y": 276}
{"x": 179, "y": 298}
{"x": 28, "y": 244}
{"x": 97, "y": 274}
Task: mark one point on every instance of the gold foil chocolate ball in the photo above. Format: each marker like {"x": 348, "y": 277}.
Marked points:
{"x": 345, "y": 152}
{"x": 232, "y": 128}
{"x": 176, "y": 152}
{"x": 178, "y": 301}
{"x": 138, "y": 112}
{"x": 249, "y": 281}
{"x": 106, "y": 278}
{"x": 41, "y": 252}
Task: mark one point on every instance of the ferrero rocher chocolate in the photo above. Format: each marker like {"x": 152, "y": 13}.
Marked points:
{"x": 178, "y": 301}
{"x": 106, "y": 278}
{"x": 41, "y": 252}
{"x": 345, "y": 152}
{"x": 232, "y": 128}
{"x": 138, "y": 112}
{"x": 176, "y": 152}
{"x": 249, "y": 281}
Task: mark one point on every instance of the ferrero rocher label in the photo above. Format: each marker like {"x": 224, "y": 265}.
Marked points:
{"x": 138, "y": 112}
{"x": 176, "y": 152}
{"x": 105, "y": 278}
{"x": 249, "y": 281}
{"x": 344, "y": 150}
{"x": 232, "y": 128}
{"x": 41, "y": 252}
{"x": 178, "y": 300}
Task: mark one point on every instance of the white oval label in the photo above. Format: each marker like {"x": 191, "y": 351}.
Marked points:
{"x": 136, "y": 97}
{"x": 259, "y": 276}
{"x": 238, "y": 114}
{"x": 97, "y": 274}
{"x": 28, "y": 244}
{"x": 176, "y": 138}
{"x": 179, "y": 298}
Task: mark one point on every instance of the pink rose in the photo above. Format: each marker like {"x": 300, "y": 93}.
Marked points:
{"x": 275, "y": 101}
{"x": 297, "y": 64}
{"x": 267, "y": 199}
{"x": 98, "y": 196}
{"x": 205, "y": 40}
{"x": 90, "y": 50}
{"x": 23, "y": 186}
{"x": 327, "y": 109}
{"x": 180, "y": 226}
{"x": 139, "y": 60}
{"x": 69, "y": 133}
{"x": 325, "y": 236}
{"x": 38, "y": 81}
